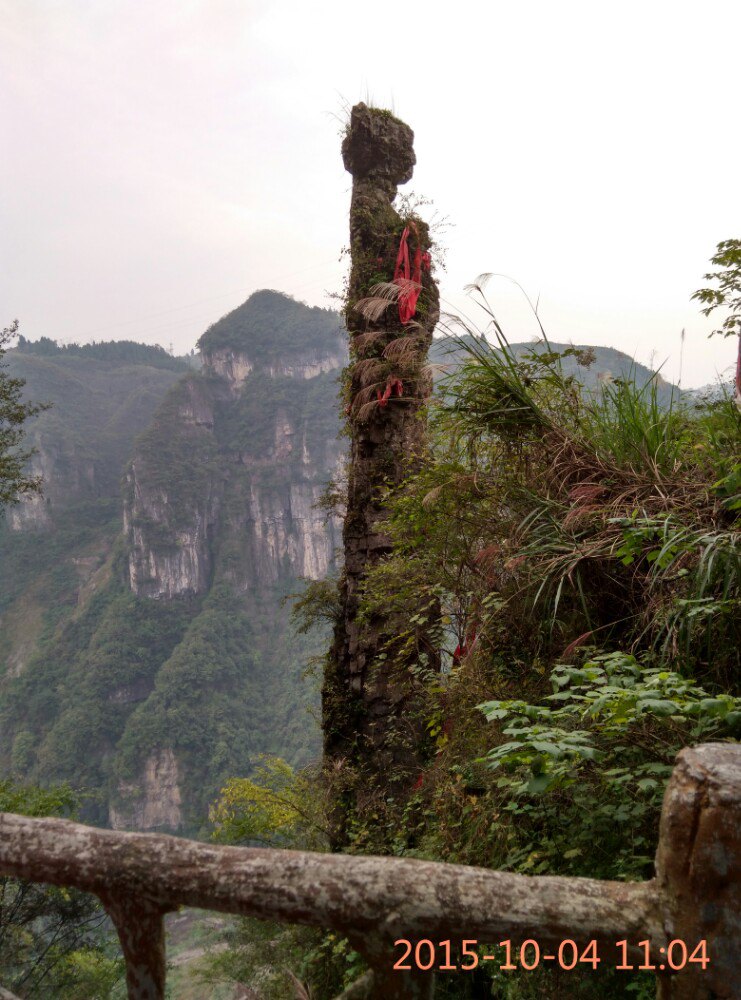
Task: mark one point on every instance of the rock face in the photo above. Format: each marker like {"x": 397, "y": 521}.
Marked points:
{"x": 171, "y": 511}
{"x": 234, "y": 366}
{"x": 246, "y": 466}
{"x": 157, "y": 804}
{"x": 152, "y": 665}
{"x": 180, "y": 566}
{"x": 65, "y": 474}
{"x": 221, "y": 492}
{"x": 229, "y": 365}
{"x": 32, "y": 514}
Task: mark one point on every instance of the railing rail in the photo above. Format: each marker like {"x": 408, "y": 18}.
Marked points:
{"x": 374, "y": 901}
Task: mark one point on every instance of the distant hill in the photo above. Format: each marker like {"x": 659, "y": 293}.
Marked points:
{"x": 103, "y": 395}
{"x": 604, "y": 363}
{"x": 118, "y": 352}
{"x": 269, "y": 326}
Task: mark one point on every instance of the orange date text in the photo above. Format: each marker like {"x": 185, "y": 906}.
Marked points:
{"x": 465, "y": 955}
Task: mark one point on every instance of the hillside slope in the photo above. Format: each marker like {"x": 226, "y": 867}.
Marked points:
{"x": 51, "y": 546}
{"x": 151, "y": 658}
{"x": 145, "y": 650}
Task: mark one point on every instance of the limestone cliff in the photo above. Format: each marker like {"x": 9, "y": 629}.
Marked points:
{"x": 156, "y": 805}
{"x": 235, "y": 366}
{"x": 220, "y": 506}
{"x": 250, "y": 442}
{"x": 158, "y": 661}
{"x": 101, "y": 398}
{"x": 173, "y": 491}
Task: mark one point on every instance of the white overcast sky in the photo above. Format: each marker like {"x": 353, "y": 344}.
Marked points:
{"x": 162, "y": 160}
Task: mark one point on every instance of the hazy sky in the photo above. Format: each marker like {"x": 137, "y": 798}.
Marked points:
{"x": 162, "y": 160}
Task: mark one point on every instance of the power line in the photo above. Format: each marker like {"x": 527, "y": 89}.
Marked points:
{"x": 189, "y": 305}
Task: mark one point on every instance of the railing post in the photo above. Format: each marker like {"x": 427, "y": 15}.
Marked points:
{"x": 385, "y": 985}
{"x": 141, "y": 930}
{"x": 385, "y": 982}
{"x": 698, "y": 868}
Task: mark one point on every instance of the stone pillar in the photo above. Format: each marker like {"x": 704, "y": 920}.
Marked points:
{"x": 699, "y": 871}
{"x": 371, "y": 734}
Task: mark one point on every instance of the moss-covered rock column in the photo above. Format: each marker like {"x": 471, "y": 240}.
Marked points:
{"x": 372, "y": 729}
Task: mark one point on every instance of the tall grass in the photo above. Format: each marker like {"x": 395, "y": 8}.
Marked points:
{"x": 628, "y": 522}
{"x": 628, "y": 424}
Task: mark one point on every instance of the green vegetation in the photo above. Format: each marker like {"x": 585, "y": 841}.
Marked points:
{"x": 218, "y": 683}
{"x": 275, "y": 807}
{"x": 285, "y": 808}
{"x": 192, "y": 935}
{"x": 64, "y": 715}
{"x": 118, "y": 351}
{"x": 178, "y": 459}
{"x": 95, "y": 682}
{"x": 53, "y": 941}
{"x": 14, "y": 413}
{"x": 248, "y": 425}
{"x": 99, "y": 405}
{"x": 725, "y": 289}
{"x": 602, "y": 745}
{"x": 214, "y": 703}
{"x": 582, "y": 549}
{"x": 271, "y": 326}
{"x": 265, "y": 953}
{"x": 576, "y": 541}
{"x": 591, "y": 367}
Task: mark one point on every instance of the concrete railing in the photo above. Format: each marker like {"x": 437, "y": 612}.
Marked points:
{"x": 376, "y": 902}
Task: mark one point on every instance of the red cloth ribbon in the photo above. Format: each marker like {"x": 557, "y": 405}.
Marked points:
{"x": 395, "y": 386}
{"x": 409, "y": 282}
{"x": 464, "y": 648}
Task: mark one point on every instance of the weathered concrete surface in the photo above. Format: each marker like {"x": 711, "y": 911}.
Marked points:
{"x": 372, "y": 900}
{"x": 699, "y": 870}
{"x": 141, "y": 931}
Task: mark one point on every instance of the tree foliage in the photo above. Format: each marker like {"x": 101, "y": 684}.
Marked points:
{"x": 269, "y": 325}
{"x": 53, "y": 941}
{"x": 275, "y": 807}
{"x": 15, "y": 482}
{"x": 582, "y": 547}
{"x": 725, "y": 290}
{"x": 117, "y": 352}
{"x": 601, "y": 746}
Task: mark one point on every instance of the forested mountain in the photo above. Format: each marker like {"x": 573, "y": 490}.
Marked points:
{"x": 145, "y": 650}
{"x": 145, "y": 653}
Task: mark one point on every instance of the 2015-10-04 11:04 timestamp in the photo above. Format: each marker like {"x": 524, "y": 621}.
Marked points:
{"x": 425, "y": 955}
